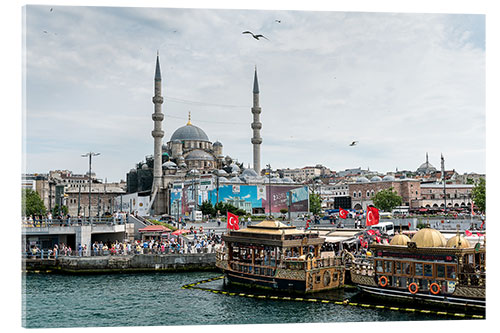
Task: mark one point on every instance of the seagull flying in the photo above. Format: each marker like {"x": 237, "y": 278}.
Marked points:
{"x": 279, "y": 21}
{"x": 254, "y": 36}
{"x": 353, "y": 143}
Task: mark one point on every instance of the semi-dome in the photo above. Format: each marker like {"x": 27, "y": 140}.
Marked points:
{"x": 223, "y": 180}
{"x": 189, "y": 132}
{"x": 249, "y": 173}
{"x": 199, "y": 155}
{"x": 376, "y": 179}
{"x": 429, "y": 237}
{"x": 217, "y": 144}
{"x": 222, "y": 172}
{"x": 455, "y": 240}
{"x": 235, "y": 180}
{"x": 144, "y": 166}
{"x": 389, "y": 178}
{"x": 287, "y": 180}
{"x": 362, "y": 180}
{"x": 400, "y": 239}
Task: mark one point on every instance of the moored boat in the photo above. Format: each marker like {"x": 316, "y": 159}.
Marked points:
{"x": 426, "y": 267}
{"x": 277, "y": 256}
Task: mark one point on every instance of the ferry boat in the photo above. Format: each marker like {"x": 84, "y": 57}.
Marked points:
{"x": 277, "y": 256}
{"x": 427, "y": 267}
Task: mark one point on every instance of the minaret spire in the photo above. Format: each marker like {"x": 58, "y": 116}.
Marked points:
{"x": 189, "y": 118}
{"x": 256, "y": 125}
{"x": 157, "y": 132}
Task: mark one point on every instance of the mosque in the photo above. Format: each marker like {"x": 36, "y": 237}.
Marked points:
{"x": 189, "y": 153}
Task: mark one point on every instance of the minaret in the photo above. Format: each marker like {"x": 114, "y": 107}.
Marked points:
{"x": 256, "y": 125}
{"x": 157, "y": 132}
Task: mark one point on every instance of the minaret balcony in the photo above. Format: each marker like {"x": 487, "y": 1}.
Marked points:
{"x": 256, "y": 141}
{"x": 157, "y": 116}
{"x": 257, "y": 126}
{"x": 256, "y": 110}
{"x": 157, "y": 133}
{"x": 157, "y": 99}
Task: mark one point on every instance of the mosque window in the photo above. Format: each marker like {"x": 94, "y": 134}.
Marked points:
{"x": 354, "y": 194}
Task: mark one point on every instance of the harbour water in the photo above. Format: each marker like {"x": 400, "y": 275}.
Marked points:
{"x": 157, "y": 299}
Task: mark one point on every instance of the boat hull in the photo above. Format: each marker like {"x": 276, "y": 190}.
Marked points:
{"x": 266, "y": 282}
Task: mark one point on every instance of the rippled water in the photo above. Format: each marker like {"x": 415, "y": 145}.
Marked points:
{"x": 156, "y": 299}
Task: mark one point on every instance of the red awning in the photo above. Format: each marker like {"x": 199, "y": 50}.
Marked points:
{"x": 154, "y": 228}
{"x": 422, "y": 210}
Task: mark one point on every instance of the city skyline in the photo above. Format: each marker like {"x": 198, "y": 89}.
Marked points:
{"x": 400, "y": 84}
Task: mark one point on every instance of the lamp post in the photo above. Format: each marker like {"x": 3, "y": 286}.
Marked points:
{"x": 89, "y": 155}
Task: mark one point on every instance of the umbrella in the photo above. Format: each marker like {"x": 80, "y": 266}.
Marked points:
{"x": 179, "y": 232}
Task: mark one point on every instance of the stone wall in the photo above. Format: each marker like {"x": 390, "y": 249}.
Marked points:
{"x": 123, "y": 264}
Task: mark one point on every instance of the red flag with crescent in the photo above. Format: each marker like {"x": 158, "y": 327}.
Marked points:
{"x": 343, "y": 213}
{"x": 480, "y": 234}
{"x": 372, "y": 216}
{"x": 468, "y": 233}
{"x": 232, "y": 221}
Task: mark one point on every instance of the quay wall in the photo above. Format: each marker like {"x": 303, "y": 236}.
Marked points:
{"x": 123, "y": 264}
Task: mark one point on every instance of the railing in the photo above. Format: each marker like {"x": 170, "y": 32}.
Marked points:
{"x": 72, "y": 221}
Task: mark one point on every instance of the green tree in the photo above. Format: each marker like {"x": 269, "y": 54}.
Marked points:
{"x": 31, "y": 203}
{"x": 283, "y": 210}
{"x": 387, "y": 200}
{"x": 479, "y": 195}
{"x": 207, "y": 208}
{"x": 314, "y": 203}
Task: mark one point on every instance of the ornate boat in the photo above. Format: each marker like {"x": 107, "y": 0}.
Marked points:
{"x": 274, "y": 255}
{"x": 428, "y": 267}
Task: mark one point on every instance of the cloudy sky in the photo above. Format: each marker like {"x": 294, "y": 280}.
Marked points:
{"x": 402, "y": 84}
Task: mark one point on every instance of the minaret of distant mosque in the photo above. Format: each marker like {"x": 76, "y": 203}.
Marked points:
{"x": 256, "y": 125}
{"x": 157, "y": 132}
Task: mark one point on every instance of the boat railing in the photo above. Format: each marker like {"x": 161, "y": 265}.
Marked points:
{"x": 363, "y": 266}
{"x": 472, "y": 279}
{"x": 253, "y": 268}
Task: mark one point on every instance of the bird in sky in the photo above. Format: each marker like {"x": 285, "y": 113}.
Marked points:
{"x": 279, "y": 21}
{"x": 353, "y": 143}
{"x": 254, "y": 36}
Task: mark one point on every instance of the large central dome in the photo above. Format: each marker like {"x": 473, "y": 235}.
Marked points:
{"x": 189, "y": 132}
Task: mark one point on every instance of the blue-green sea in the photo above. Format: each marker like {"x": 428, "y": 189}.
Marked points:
{"x": 157, "y": 299}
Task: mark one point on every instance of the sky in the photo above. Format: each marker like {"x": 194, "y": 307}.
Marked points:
{"x": 401, "y": 84}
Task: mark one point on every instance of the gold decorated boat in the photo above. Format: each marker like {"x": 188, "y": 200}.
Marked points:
{"x": 274, "y": 255}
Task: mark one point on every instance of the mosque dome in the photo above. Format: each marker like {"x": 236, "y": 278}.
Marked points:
{"x": 362, "y": 180}
{"x": 389, "y": 178}
{"x": 223, "y": 180}
{"x": 234, "y": 167}
{"x": 426, "y": 167}
{"x": 144, "y": 166}
{"x": 287, "y": 180}
{"x": 222, "y": 172}
{"x": 400, "y": 239}
{"x": 189, "y": 132}
{"x": 249, "y": 173}
{"x": 133, "y": 170}
{"x": 453, "y": 242}
{"x": 169, "y": 165}
{"x": 176, "y": 141}
{"x": 199, "y": 155}
{"x": 376, "y": 179}
{"x": 429, "y": 237}
{"x": 235, "y": 180}
{"x": 217, "y": 144}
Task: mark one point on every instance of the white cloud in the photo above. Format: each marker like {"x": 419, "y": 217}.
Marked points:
{"x": 401, "y": 84}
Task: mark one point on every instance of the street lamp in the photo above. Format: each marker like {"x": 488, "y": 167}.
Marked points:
{"x": 89, "y": 155}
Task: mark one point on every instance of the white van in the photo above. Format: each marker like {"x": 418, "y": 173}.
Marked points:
{"x": 384, "y": 228}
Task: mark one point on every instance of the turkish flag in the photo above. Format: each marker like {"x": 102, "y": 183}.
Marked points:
{"x": 372, "y": 216}
{"x": 468, "y": 233}
{"x": 480, "y": 234}
{"x": 370, "y": 232}
{"x": 232, "y": 221}
{"x": 342, "y": 213}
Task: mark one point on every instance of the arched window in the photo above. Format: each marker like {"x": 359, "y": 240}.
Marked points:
{"x": 354, "y": 194}
{"x": 367, "y": 193}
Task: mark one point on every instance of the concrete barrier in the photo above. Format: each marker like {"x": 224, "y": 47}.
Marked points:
{"x": 123, "y": 264}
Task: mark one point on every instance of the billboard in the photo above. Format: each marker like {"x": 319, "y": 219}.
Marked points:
{"x": 242, "y": 196}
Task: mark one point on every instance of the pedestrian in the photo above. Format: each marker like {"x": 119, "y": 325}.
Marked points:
{"x": 79, "y": 249}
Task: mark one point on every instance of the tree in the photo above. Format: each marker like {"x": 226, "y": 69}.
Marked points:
{"x": 31, "y": 203}
{"x": 207, "y": 208}
{"x": 314, "y": 203}
{"x": 387, "y": 200}
{"x": 283, "y": 210}
{"x": 479, "y": 195}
